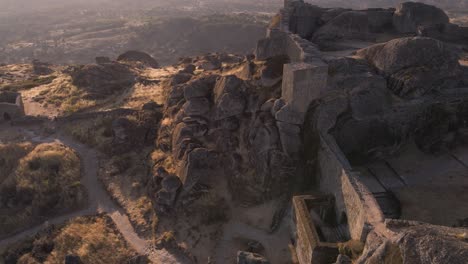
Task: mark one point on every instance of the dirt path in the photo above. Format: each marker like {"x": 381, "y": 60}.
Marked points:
{"x": 99, "y": 202}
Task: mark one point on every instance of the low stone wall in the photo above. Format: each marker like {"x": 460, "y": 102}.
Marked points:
{"x": 309, "y": 248}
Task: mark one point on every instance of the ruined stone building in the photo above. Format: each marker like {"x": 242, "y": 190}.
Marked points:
{"x": 375, "y": 105}
{"x": 11, "y": 106}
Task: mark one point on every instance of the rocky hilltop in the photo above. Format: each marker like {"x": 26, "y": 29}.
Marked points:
{"x": 343, "y": 139}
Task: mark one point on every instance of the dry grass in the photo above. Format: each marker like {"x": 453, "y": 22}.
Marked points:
{"x": 92, "y": 239}
{"x": 125, "y": 177}
{"x": 10, "y": 154}
{"x": 44, "y": 182}
{"x": 63, "y": 94}
{"x": 95, "y": 132}
{"x": 27, "y": 84}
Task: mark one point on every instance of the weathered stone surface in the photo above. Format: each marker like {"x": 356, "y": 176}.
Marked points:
{"x": 418, "y": 244}
{"x": 181, "y": 78}
{"x": 229, "y": 98}
{"x": 268, "y": 105}
{"x": 272, "y": 73}
{"x": 190, "y": 69}
{"x": 169, "y": 188}
{"x": 349, "y": 25}
{"x": 102, "y": 60}
{"x": 138, "y": 57}
{"x": 202, "y": 87}
{"x": 197, "y": 106}
{"x": 358, "y": 25}
{"x": 380, "y": 20}
{"x": 288, "y": 115}
{"x": 363, "y": 140}
{"x": 371, "y": 97}
{"x": 302, "y": 83}
{"x": 181, "y": 131}
{"x": 264, "y": 135}
{"x": 227, "y": 84}
{"x": 230, "y": 105}
{"x": 250, "y": 258}
{"x": 410, "y": 15}
{"x": 291, "y": 141}
{"x": 279, "y": 103}
{"x": 271, "y": 47}
{"x": 330, "y": 14}
{"x": 201, "y": 163}
{"x": 368, "y": 93}
{"x": 414, "y": 66}
{"x": 305, "y": 19}
{"x": 102, "y": 80}
{"x": 445, "y": 32}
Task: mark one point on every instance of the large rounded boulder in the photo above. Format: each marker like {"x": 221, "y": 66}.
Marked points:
{"x": 102, "y": 80}
{"x": 358, "y": 25}
{"x": 410, "y": 15}
{"x": 138, "y": 57}
{"x": 414, "y": 66}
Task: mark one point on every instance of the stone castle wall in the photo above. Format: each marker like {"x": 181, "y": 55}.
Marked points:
{"x": 11, "y": 105}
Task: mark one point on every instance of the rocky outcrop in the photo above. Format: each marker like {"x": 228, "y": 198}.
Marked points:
{"x": 410, "y": 15}
{"x": 129, "y": 134}
{"x": 139, "y": 58}
{"x": 445, "y": 32}
{"x": 102, "y": 80}
{"x": 305, "y": 19}
{"x": 228, "y": 97}
{"x": 367, "y": 91}
{"x": 359, "y": 25}
{"x": 414, "y": 66}
{"x": 164, "y": 189}
{"x": 417, "y": 243}
{"x": 216, "y": 126}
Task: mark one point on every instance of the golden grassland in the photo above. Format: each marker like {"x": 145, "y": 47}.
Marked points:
{"x": 63, "y": 94}
{"x": 92, "y": 239}
{"x": 40, "y": 181}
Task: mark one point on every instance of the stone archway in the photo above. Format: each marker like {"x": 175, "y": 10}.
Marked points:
{"x": 6, "y": 116}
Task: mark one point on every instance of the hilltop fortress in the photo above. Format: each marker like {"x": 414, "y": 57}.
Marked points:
{"x": 374, "y": 103}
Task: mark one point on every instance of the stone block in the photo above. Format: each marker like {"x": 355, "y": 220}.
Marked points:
{"x": 303, "y": 83}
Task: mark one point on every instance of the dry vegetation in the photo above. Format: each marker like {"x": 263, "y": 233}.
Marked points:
{"x": 96, "y": 132}
{"x": 27, "y": 84}
{"x": 43, "y": 182}
{"x": 91, "y": 239}
{"x": 125, "y": 177}
{"x": 61, "y": 93}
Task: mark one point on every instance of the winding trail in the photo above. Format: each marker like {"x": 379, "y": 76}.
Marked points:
{"x": 99, "y": 201}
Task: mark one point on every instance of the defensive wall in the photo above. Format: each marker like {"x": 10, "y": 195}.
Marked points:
{"x": 305, "y": 81}
{"x": 11, "y": 106}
